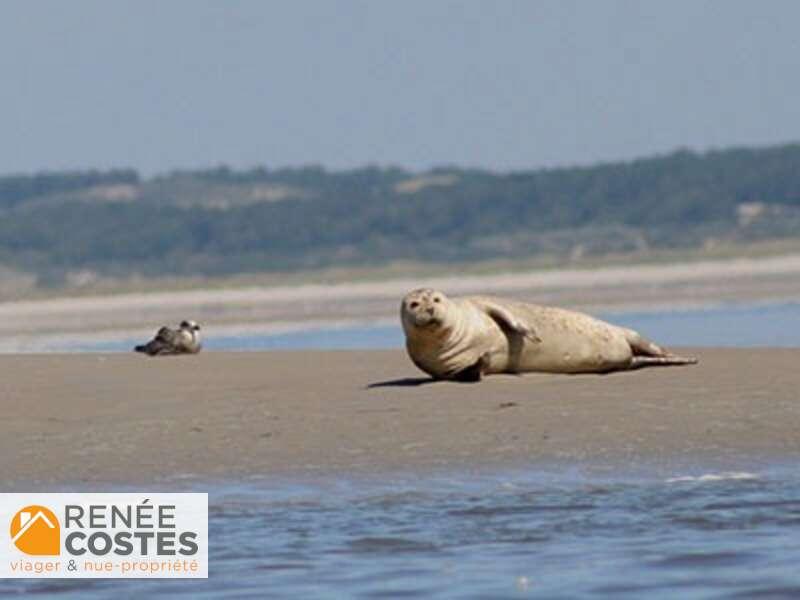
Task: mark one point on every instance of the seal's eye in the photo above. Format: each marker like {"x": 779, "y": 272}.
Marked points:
{"x": 413, "y": 305}
{"x": 437, "y": 299}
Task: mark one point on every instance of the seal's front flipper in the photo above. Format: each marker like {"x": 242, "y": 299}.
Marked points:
{"x": 509, "y": 322}
{"x": 473, "y": 373}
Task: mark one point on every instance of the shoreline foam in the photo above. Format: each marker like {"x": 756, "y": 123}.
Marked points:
{"x": 30, "y": 324}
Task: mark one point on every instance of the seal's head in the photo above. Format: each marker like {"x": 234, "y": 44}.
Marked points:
{"x": 424, "y": 309}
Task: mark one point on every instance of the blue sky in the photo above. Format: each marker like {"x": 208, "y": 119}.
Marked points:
{"x": 158, "y": 85}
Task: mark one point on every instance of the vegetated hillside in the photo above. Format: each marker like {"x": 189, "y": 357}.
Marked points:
{"x": 220, "y": 221}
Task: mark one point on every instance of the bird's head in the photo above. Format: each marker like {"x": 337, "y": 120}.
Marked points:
{"x": 190, "y": 325}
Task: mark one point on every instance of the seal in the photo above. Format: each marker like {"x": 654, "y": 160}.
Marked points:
{"x": 465, "y": 338}
{"x": 183, "y": 340}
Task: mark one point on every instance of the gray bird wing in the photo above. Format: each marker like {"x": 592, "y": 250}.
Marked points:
{"x": 166, "y": 341}
{"x": 169, "y": 336}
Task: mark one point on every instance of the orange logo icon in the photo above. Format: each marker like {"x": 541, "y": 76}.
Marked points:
{"x": 35, "y": 530}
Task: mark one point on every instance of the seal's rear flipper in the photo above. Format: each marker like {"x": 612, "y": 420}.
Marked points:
{"x": 641, "y": 346}
{"x": 671, "y": 360}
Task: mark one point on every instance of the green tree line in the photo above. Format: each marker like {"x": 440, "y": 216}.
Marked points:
{"x": 221, "y": 221}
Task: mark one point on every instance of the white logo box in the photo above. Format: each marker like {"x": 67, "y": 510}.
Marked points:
{"x": 98, "y": 535}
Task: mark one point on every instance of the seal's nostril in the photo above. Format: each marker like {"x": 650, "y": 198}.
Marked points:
{"x": 430, "y": 311}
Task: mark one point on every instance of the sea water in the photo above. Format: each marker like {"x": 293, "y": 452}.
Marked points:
{"x": 732, "y": 325}
{"x": 559, "y": 531}
{"x": 553, "y": 534}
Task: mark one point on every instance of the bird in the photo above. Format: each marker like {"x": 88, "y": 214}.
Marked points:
{"x": 183, "y": 340}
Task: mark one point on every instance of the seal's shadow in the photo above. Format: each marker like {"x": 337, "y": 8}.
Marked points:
{"x": 404, "y": 382}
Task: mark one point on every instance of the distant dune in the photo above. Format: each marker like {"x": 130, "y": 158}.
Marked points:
{"x": 70, "y": 228}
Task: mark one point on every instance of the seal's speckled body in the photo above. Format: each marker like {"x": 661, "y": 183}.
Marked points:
{"x": 465, "y": 338}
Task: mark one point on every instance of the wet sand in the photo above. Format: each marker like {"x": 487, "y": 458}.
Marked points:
{"x": 126, "y": 419}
